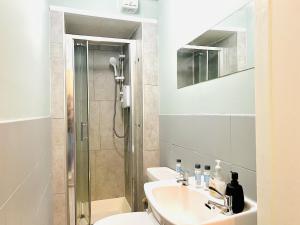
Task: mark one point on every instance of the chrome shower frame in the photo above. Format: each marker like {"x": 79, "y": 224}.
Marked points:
{"x": 135, "y": 122}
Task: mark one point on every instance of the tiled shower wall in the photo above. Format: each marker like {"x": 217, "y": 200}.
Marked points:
{"x": 58, "y": 118}
{"x": 204, "y": 138}
{"x": 106, "y": 150}
{"x": 150, "y": 72}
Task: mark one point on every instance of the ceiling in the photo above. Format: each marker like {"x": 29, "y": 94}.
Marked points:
{"x": 99, "y": 26}
{"x": 211, "y": 37}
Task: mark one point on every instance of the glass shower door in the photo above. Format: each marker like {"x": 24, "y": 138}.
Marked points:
{"x": 82, "y": 183}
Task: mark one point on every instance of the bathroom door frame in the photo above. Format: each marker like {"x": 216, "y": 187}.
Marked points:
{"x": 136, "y": 151}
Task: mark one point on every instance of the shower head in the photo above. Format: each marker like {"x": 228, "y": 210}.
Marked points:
{"x": 113, "y": 63}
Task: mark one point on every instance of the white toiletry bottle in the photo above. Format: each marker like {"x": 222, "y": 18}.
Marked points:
{"x": 178, "y": 168}
{"x": 198, "y": 175}
{"x": 217, "y": 181}
{"x": 206, "y": 176}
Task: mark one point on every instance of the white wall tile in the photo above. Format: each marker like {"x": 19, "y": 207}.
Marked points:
{"x": 204, "y": 138}
{"x": 205, "y": 134}
{"x": 26, "y": 165}
{"x": 243, "y": 141}
{"x": 19, "y": 146}
{"x": 59, "y": 171}
{"x": 247, "y": 179}
{"x": 59, "y": 155}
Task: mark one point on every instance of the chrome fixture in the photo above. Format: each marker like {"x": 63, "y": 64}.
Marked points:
{"x": 184, "y": 177}
{"x": 226, "y": 207}
{"x": 119, "y": 79}
{"x": 113, "y": 63}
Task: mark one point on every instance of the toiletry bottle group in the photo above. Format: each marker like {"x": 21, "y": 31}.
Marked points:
{"x": 217, "y": 181}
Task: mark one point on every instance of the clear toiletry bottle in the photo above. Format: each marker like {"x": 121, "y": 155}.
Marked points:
{"x": 206, "y": 176}
{"x": 178, "y": 168}
{"x": 198, "y": 175}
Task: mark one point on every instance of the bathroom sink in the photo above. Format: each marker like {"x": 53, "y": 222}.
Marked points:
{"x": 174, "y": 204}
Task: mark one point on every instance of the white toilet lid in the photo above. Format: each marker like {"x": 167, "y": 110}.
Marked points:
{"x": 134, "y": 218}
{"x": 160, "y": 173}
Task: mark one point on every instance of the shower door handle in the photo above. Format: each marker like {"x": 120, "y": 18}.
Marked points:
{"x": 84, "y": 131}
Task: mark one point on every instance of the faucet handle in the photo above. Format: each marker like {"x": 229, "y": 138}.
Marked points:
{"x": 215, "y": 190}
{"x": 185, "y": 178}
{"x": 228, "y": 204}
{"x": 186, "y": 175}
{"x": 227, "y": 201}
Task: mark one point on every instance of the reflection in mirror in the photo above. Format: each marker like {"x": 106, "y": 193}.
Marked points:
{"x": 225, "y": 49}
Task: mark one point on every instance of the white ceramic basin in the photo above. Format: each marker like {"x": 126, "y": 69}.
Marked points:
{"x": 174, "y": 204}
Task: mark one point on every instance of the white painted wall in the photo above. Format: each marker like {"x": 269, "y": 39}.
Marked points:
{"x": 147, "y": 8}
{"x": 24, "y": 59}
{"x": 180, "y": 22}
{"x": 25, "y": 152}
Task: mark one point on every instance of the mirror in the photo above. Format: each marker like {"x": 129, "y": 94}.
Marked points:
{"x": 225, "y": 49}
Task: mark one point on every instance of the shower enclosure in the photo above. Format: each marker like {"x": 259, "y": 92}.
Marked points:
{"x": 103, "y": 155}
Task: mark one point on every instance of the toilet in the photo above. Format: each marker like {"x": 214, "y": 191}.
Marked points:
{"x": 134, "y": 218}
{"x": 138, "y": 218}
{"x": 160, "y": 173}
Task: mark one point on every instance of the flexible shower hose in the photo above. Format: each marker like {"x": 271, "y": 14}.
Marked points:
{"x": 114, "y": 117}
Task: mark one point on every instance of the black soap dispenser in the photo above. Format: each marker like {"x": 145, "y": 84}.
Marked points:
{"x": 235, "y": 190}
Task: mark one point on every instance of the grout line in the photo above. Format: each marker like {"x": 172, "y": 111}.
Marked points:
{"x": 24, "y": 119}
{"x": 152, "y": 150}
{"x": 191, "y": 149}
{"x": 242, "y": 167}
{"x": 57, "y": 118}
{"x": 48, "y": 185}
{"x": 42, "y": 156}
{"x": 154, "y": 85}
{"x": 230, "y": 138}
{"x": 19, "y": 186}
{"x": 210, "y": 114}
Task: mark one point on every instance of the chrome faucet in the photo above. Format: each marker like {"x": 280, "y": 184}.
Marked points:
{"x": 184, "y": 177}
{"x": 226, "y": 207}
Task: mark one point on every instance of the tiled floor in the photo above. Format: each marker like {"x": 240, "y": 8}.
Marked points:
{"x": 108, "y": 207}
